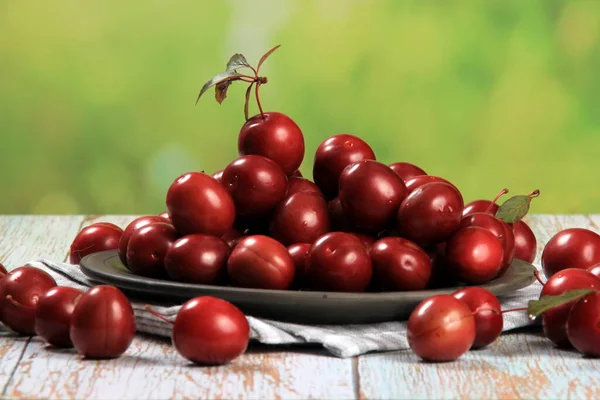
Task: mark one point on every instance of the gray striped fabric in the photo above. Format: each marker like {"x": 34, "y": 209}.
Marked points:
{"x": 339, "y": 340}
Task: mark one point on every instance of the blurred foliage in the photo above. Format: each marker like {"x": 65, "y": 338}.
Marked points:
{"x": 97, "y": 99}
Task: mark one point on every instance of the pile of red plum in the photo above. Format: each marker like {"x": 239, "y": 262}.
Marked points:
{"x": 360, "y": 225}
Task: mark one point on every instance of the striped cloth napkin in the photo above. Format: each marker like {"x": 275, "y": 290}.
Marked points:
{"x": 339, "y": 340}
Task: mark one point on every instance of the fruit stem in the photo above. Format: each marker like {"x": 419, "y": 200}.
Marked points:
{"x": 157, "y": 315}
{"x": 247, "y": 103}
{"x": 534, "y": 194}
{"x": 253, "y": 70}
{"x": 15, "y": 303}
{"x": 502, "y": 193}
{"x": 258, "y": 83}
{"x": 536, "y": 273}
{"x": 241, "y": 77}
{"x": 514, "y": 309}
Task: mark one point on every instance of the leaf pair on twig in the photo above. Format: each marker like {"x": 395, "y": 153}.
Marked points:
{"x": 222, "y": 81}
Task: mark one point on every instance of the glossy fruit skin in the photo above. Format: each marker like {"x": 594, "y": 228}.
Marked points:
{"x": 197, "y": 203}
{"x": 275, "y": 136}
{"x": 3, "y": 271}
{"x": 218, "y": 176}
{"x": 421, "y": 180}
{"x": 256, "y": 183}
{"x": 430, "y": 214}
{"x": 338, "y": 221}
{"x": 441, "y": 328}
{"x": 366, "y": 240}
{"x": 480, "y": 206}
{"x": 485, "y": 221}
{"x": 571, "y": 248}
{"x": 26, "y": 285}
{"x": 296, "y": 184}
{"x": 299, "y": 253}
{"x": 200, "y": 259}
{"x": 147, "y": 248}
{"x": 333, "y": 155}
{"x": 594, "y": 270}
{"x": 301, "y": 218}
{"x": 406, "y": 171}
{"x": 339, "y": 262}
{"x": 583, "y": 325}
{"x": 474, "y": 255}
{"x": 487, "y": 312}
{"x": 94, "y": 238}
{"x": 525, "y": 242}
{"x": 53, "y": 315}
{"x": 554, "y": 321}
{"x": 261, "y": 262}
{"x": 399, "y": 264}
{"x": 509, "y": 248}
{"x": 103, "y": 324}
{"x": 296, "y": 174}
{"x": 370, "y": 194}
{"x": 134, "y": 226}
{"x": 210, "y": 331}
{"x": 499, "y": 228}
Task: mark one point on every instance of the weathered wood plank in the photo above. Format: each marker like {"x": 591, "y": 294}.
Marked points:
{"x": 544, "y": 227}
{"x": 26, "y": 238}
{"x": 23, "y": 239}
{"x": 516, "y": 366}
{"x": 151, "y": 368}
{"x": 595, "y": 221}
{"x": 576, "y": 221}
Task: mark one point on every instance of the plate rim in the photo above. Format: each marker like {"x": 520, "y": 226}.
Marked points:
{"x": 137, "y": 283}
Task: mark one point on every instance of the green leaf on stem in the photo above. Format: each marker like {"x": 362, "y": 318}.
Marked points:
{"x": 237, "y": 61}
{"x": 545, "y": 303}
{"x": 227, "y": 76}
{"x": 515, "y": 208}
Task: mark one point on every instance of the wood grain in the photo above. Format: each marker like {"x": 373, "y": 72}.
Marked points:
{"x": 27, "y": 238}
{"x": 594, "y": 222}
{"x": 24, "y": 239}
{"x": 151, "y": 368}
{"x": 516, "y": 366}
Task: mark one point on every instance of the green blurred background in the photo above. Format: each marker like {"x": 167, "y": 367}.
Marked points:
{"x": 97, "y": 99}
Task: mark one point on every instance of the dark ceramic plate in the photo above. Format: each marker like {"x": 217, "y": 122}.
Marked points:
{"x": 294, "y": 306}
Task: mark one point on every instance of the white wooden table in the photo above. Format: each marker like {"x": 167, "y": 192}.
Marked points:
{"x": 521, "y": 365}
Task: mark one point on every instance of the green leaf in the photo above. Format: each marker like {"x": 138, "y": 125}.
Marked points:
{"x": 515, "y": 208}
{"x": 545, "y": 303}
{"x": 237, "y": 61}
{"x": 227, "y": 76}
{"x": 221, "y": 90}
